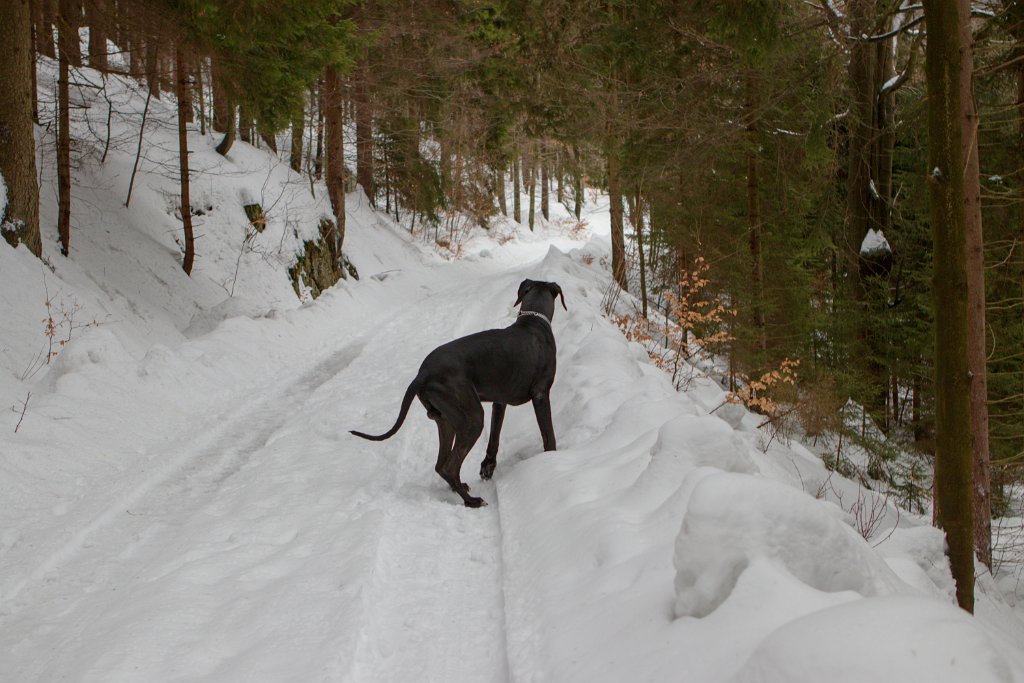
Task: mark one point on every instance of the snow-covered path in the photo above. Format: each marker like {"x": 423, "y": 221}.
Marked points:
{"x": 216, "y": 522}
{"x": 313, "y": 554}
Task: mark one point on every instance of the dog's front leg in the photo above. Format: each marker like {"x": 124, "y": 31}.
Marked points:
{"x": 491, "y": 459}
{"x": 542, "y": 407}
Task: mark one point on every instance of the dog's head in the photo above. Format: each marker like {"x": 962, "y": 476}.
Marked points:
{"x": 539, "y": 297}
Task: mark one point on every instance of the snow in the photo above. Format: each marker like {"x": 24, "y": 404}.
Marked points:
{"x": 874, "y": 241}
{"x": 733, "y": 520}
{"x": 182, "y": 500}
{"x": 916, "y": 639}
{"x": 3, "y": 197}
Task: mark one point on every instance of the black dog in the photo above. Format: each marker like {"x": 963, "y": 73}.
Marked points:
{"x": 507, "y": 367}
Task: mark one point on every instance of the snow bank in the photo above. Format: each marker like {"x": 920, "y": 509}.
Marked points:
{"x": 601, "y": 582}
{"x": 907, "y": 638}
{"x": 733, "y": 519}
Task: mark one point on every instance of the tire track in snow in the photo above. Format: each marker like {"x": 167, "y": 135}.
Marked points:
{"x": 192, "y": 463}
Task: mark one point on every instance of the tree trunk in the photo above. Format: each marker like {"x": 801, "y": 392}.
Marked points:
{"x": 298, "y": 133}
{"x": 153, "y": 66}
{"x": 364, "y": 135}
{"x": 318, "y": 159}
{"x": 560, "y": 176}
{"x": 96, "y": 15}
{"x": 44, "y": 15}
{"x": 976, "y": 337}
{"x": 615, "y": 208}
{"x": 20, "y": 222}
{"x": 332, "y": 104}
{"x": 181, "y": 83}
{"x": 182, "y": 73}
{"x": 954, "y": 499}
{"x": 229, "y": 135}
{"x": 544, "y": 191}
{"x": 499, "y": 189}
{"x": 861, "y": 134}
{"x": 245, "y": 124}
{"x": 268, "y": 137}
{"x": 533, "y": 189}
{"x": 517, "y": 213}
{"x": 65, "y": 41}
{"x": 222, "y": 109}
{"x": 754, "y": 225}
{"x": 638, "y": 225}
{"x": 202, "y": 96}
{"x": 71, "y": 19}
{"x": 577, "y": 183}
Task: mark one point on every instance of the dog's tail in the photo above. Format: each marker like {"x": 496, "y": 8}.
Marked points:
{"x": 410, "y": 394}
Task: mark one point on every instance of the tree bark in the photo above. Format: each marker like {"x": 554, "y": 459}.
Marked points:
{"x": 638, "y": 225}
{"x": 44, "y": 15}
{"x": 96, "y": 16}
{"x": 364, "y": 135}
{"x": 223, "y": 118}
{"x": 245, "y": 124}
{"x": 533, "y": 188}
{"x": 544, "y": 182}
{"x": 298, "y": 133}
{"x": 332, "y": 104}
{"x": 863, "y": 89}
{"x": 65, "y": 42}
{"x": 183, "y": 73}
{"x": 615, "y": 208}
{"x": 577, "y": 183}
{"x": 517, "y": 213}
{"x": 153, "y": 66}
{"x": 954, "y": 499}
{"x": 202, "y": 96}
{"x": 318, "y": 159}
{"x": 71, "y": 19}
{"x": 754, "y": 225}
{"x": 20, "y": 221}
{"x": 181, "y": 87}
{"x": 499, "y": 189}
{"x": 976, "y": 338}
{"x": 268, "y": 137}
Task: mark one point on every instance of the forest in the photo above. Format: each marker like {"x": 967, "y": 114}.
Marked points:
{"x": 819, "y": 204}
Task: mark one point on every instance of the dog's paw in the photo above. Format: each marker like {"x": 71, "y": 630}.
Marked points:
{"x": 486, "y": 470}
{"x": 472, "y": 502}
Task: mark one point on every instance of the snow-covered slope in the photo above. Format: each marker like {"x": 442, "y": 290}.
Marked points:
{"x": 182, "y": 501}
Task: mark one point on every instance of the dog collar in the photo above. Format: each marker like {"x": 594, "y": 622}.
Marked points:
{"x": 535, "y": 314}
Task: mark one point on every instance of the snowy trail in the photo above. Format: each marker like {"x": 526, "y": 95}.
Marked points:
{"x": 314, "y": 555}
{"x": 435, "y": 605}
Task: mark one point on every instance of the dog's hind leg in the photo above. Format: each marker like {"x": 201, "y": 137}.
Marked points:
{"x": 445, "y": 438}
{"x": 461, "y": 413}
{"x": 490, "y": 460}
{"x": 464, "y": 441}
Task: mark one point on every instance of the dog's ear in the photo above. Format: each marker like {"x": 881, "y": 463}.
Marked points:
{"x": 556, "y": 291}
{"x": 524, "y": 287}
